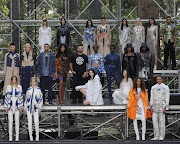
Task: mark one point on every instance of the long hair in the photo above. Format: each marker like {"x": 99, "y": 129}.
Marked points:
{"x": 59, "y": 50}
{"x": 153, "y": 20}
{"x": 91, "y": 69}
{"x": 33, "y": 78}
{"x": 122, "y": 77}
{"x": 87, "y": 23}
{"x": 140, "y": 21}
{"x": 122, "y": 23}
{"x": 62, "y": 19}
{"x": 25, "y": 50}
{"x": 46, "y": 22}
{"x": 12, "y": 80}
{"x": 143, "y": 88}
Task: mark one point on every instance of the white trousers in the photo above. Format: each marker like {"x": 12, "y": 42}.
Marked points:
{"x": 143, "y": 128}
{"x": 159, "y": 125}
{"x": 36, "y": 122}
{"x": 10, "y": 118}
{"x": 119, "y": 97}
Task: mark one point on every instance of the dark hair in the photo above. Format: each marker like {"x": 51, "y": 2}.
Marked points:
{"x": 80, "y": 45}
{"x": 46, "y": 44}
{"x": 159, "y": 76}
{"x": 153, "y": 20}
{"x": 87, "y": 23}
{"x": 91, "y": 69}
{"x": 122, "y": 77}
{"x": 103, "y": 18}
{"x": 11, "y": 44}
{"x": 143, "y": 88}
{"x": 95, "y": 46}
{"x": 59, "y": 50}
{"x": 62, "y": 19}
{"x": 168, "y": 17}
{"x": 122, "y": 23}
{"x": 113, "y": 46}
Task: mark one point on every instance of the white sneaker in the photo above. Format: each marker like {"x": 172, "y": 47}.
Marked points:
{"x": 155, "y": 138}
{"x": 161, "y": 138}
{"x": 155, "y": 67}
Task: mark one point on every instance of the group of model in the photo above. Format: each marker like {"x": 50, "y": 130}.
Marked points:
{"x": 136, "y": 62}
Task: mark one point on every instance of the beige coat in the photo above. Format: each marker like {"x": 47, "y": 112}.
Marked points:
{"x": 10, "y": 71}
{"x": 103, "y": 49}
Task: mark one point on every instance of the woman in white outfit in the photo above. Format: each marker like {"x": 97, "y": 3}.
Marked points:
{"x": 13, "y": 104}
{"x": 138, "y": 35}
{"x": 120, "y": 96}
{"x": 32, "y": 106}
{"x": 45, "y": 35}
{"x": 152, "y": 39}
{"x": 92, "y": 90}
{"x": 124, "y": 35}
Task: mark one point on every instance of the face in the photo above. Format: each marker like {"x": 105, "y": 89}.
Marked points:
{"x": 143, "y": 48}
{"x": 125, "y": 73}
{"x": 103, "y": 21}
{"x": 124, "y": 22}
{"x": 33, "y": 82}
{"x": 95, "y": 49}
{"x": 138, "y": 21}
{"x": 112, "y": 49}
{"x": 89, "y": 23}
{"x": 151, "y": 21}
{"x": 159, "y": 80}
{"x": 138, "y": 82}
{"x": 63, "y": 22}
{"x": 14, "y": 80}
{"x": 63, "y": 49}
{"x": 80, "y": 49}
{"x": 44, "y": 23}
{"x": 91, "y": 73}
{"x": 128, "y": 49}
{"x": 12, "y": 48}
{"x": 27, "y": 48}
{"x": 46, "y": 48}
{"x": 168, "y": 20}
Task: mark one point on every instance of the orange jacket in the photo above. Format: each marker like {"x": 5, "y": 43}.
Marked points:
{"x": 132, "y": 104}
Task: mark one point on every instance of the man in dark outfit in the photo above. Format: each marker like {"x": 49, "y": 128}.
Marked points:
{"x": 79, "y": 69}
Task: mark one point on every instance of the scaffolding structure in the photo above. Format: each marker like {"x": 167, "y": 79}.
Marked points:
{"x": 114, "y": 23}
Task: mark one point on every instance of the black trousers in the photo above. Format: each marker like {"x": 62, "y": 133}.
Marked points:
{"x": 77, "y": 81}
{"x": 169, "y": 50}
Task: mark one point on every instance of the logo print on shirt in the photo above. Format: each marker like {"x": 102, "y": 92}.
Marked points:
{"x": 79, "y": 60}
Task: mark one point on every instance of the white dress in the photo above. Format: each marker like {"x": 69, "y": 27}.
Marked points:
{"x": 45, "y": 36}
{"x": 124, "y": 37}
{"x": 140, "y": 106}
{"x": 93, "y": 91}
{"x": 120, "y": 95}
{"x": 137, "y": 38}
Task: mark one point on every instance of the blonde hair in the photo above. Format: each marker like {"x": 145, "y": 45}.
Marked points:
{"x": 33, "y": 78}
{"x": 26, "y": 46}
{"x": 140, "y": 21}
{"x": 43, "y": 21}
{"x": 12, "y": 80}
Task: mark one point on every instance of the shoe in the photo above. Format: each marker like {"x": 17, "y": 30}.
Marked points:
{"x": 165, "y": 68}
{"x": 80, "y": 101}
{"x": 155, "y": 67}
{"x": 174, "y": 68}
{"x": 161, "y": 138}
{"x": 74, "y": 101}
{"x": 50, "y": 102}
{"x": 155, "y": 138}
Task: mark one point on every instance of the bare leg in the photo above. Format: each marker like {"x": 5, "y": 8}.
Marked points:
{"x": 83, "y": 91}
{"x": 155, "y": 62}
{"x": 86, "y": 102}
{"x": 60, "y": 92}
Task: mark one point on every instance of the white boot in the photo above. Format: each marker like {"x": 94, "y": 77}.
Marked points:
{"x": 155, "y": 138}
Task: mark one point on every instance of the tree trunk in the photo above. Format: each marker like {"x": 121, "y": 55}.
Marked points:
{"x": 95, "y": 9}
{"x": 16, "y": 16}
